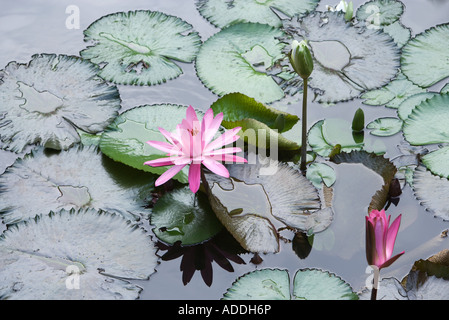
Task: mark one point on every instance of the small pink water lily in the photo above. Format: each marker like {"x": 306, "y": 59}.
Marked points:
{"x": 380, "y": 239}
{"x": 192, "y": 145}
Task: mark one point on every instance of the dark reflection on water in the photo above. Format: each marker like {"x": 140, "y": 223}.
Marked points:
{"x": 30, "y": 27}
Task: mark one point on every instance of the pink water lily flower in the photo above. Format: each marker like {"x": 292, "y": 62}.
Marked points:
{"x": 380, "y": 239}
{"x": 192, "y": 145}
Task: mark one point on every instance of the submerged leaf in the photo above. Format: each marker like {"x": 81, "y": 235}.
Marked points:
{"x": 348, "y": 59}
{"x": 178, "y": 216}
{"x": 85, "y": 254}
{"x": 236, "y": 59}
{"x": 140, "y": 47}
{"x": 77, "y": 178}
{"x": 47, "y": 100}
{"x": 260, "y": 197}
{"x": 223, "y": 13}
{"x": 424, "y": 58}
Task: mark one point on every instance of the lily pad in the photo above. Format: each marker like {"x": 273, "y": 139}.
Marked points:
{"x": 393, "y": 94}
{"x": 385, "y": 127}
{"x": 319, "y": 173}
{"x": 262, "y": 196}
{"x": 377, "y": 13}
{"x": 431, "y": 191}
{"x": 274, "y": 284}
{"x": 140, "y": 47}
{"x": 76, "y": 178}
{"x": 45, "y": 101}
{"x": 125, "y": 139}
{"x": 406, "y": 107}
{"x": 236, "y": 59}
{"x": 224, "y": 13}
{"x": 400, "y": 33}
{"x": 424, "y": 58}
{"x": 260, "y": 123}
{"x": 74, "y": 255}
{"x": 348, "y": 59}
{"x": 178, "y": 216}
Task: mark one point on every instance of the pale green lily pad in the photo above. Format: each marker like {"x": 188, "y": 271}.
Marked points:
{"x": 393, "y": 94}
{"x": 378, "y": 13}
{"x": 236, "y": 59}
{"x": 432, "y": 191}
{"x": 259, "y": 122}
{"x": 178, "y": 216}
{"x": 74, "y": 255}
{"x": 348, "y": 59}
{"x": 125, "y": 139}
{"x": 263, "y": 195}
{"x": 427, "y": 124}
{"x": 224, "y": 13}
{"x": 326, "y": 134}
{"x": 407, "y": 106}
{"x": 274, "y": 284}
{"x": 385, "y": 127}
{"x": 45, "y": 101}
{"x": 319, "y": 173}
{"x": 140, "y": 47}
{"x": 76, "y": 178}
{"x": 424, "y": 58}
{"x": 400, "y": 33}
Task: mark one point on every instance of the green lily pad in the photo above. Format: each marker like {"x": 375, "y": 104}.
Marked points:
{"x": 45, "y": 101}
{"x": 385, "y": 127}
{"x": 262, "y": 196}
{"x": 431, "y": 191}
{"x": 407, "y": 106}
{"x": 319, "y": 173}
{"x": 348, "y": 59}
{"x": 236, "y": 59}
{"x": 178, "y": 216}
{"x": 274, "y": 284}
{"x": 74, "y": 255}
{"x": 377, "y": 13}
{"x": 393, "y": 94}
{"x": 224, "y": 13}
{"x": 140, "y": 47}
{"x": 77, "y": 178}
{"x": 125, "y": 139}
{"x": 259, "y": 122}
{"x": 424, "y": 58}
{"x": 400, "y": 33}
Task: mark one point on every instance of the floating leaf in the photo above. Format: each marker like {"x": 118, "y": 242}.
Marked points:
{"x": 260, "y": 196}
{"x": 319, "y": 173}
{"x": 400, "y": 34}
{"x": 378, "y": 164}
{"x": 424, "y": 58}
{"x": 258, "y": 121}
{"x": 76, "y": 178}
{"x": 407, "y": 106}
{"x": 223, "y": 13}
{"x": 393, "y": 94}
{"x": 178, "y": 216}
{"x": 348, "y": 59}
{"x": 236, "y": 59}
{"x": 140, "y": 47}
{"x": 274, "y": 284}
{"x": 46, "y": 100}
{"x": 432, "y": 192}
{"x": 85, "y": 254}
{"x": 385, "y": 127}
{"x": 125, "y": 139}
{"x": 377, "y": 13}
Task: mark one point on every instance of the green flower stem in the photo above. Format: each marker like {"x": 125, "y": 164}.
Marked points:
{"x": 304, "y": 127}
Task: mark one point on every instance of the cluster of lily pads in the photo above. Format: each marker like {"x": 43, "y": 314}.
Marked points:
{"x": 65, "y": 203}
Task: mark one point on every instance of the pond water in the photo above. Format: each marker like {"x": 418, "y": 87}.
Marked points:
{"x": 29, "y": 27}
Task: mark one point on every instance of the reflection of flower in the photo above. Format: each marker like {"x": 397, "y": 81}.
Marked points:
{"x": 191, "y": 144}
{"x": 380, "y": 239}
{"x": 222, "y": 249}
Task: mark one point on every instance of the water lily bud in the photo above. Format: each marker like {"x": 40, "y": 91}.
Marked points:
{"x": 349, "y": 11}
{"x": 358, "y": 123}
{"x": 301, "y": 59}
{"x": 279, "y": 123}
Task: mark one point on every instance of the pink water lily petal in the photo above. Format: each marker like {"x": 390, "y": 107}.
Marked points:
{"x": 159, "y": 162}
{"x": 163, "y": 146}
{"x": 216, "y": 167}
{"x": 167, "y": 175}
{"x": 213, "y": 128}
{"x": 228, "y": 158}
{"x": 391, "y": 236}
{"x": 228, "y": 137}
{"x": 194, "y": 177}
{"x": 223, "y": 151}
